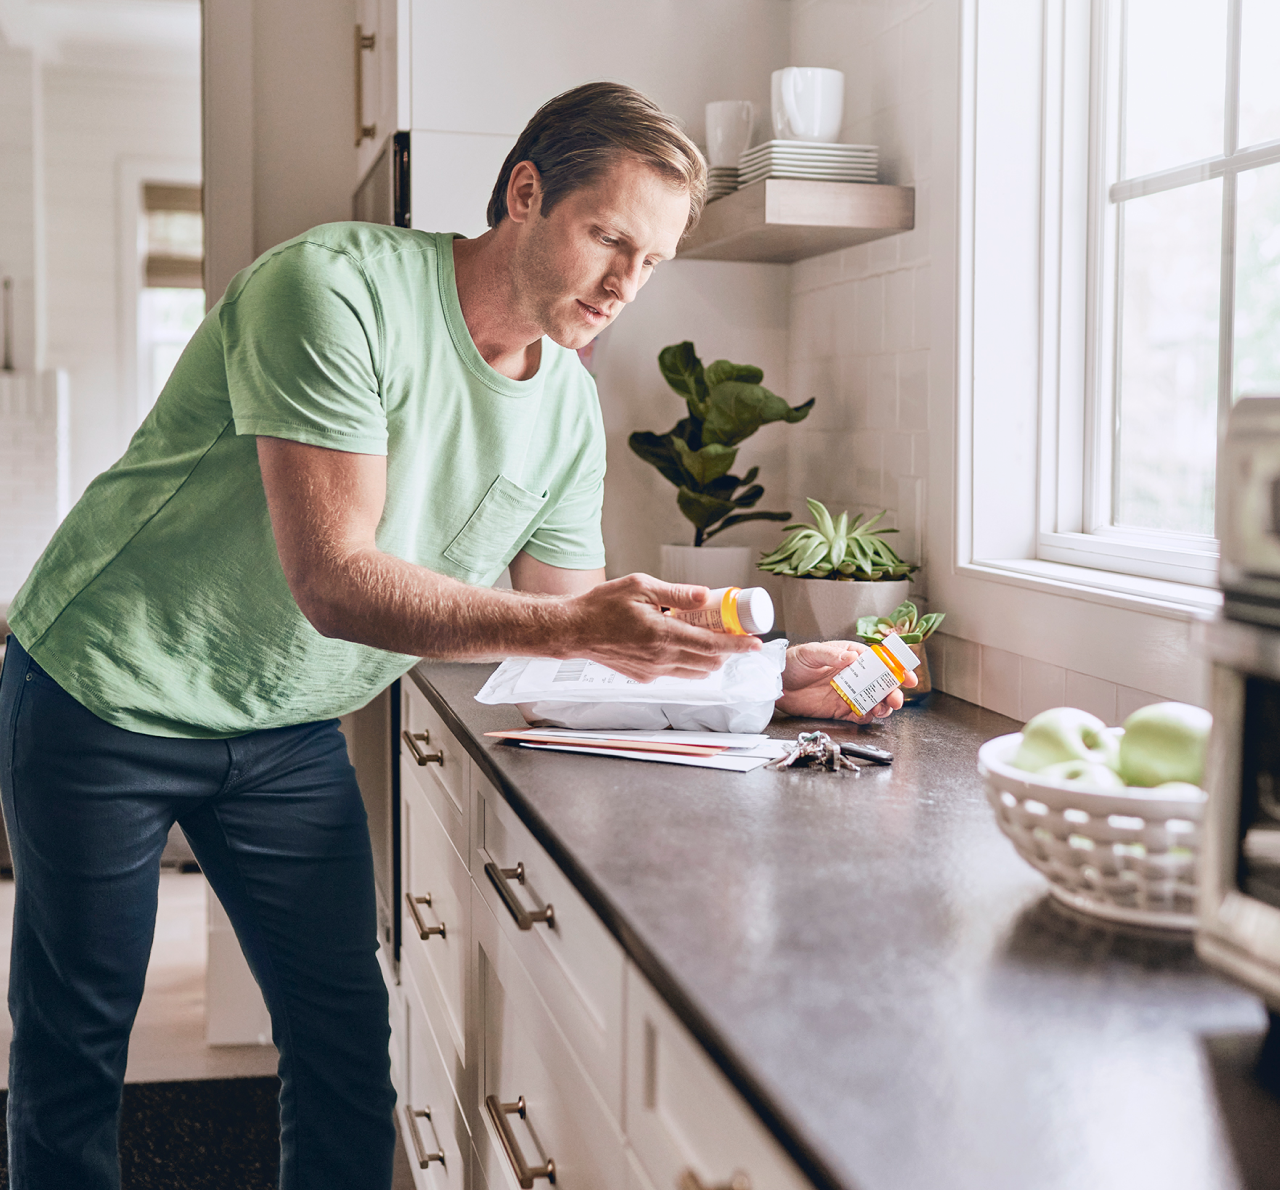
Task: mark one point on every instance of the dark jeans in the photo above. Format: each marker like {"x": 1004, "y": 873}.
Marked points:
{"x": 276, "y": 821}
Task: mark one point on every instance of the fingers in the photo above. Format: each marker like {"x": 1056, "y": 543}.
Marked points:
{"x": 678, "y": 595}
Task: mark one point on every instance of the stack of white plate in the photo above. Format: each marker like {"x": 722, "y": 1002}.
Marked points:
{"x": 808, "y": 159}
{"x": 721, "y": 180}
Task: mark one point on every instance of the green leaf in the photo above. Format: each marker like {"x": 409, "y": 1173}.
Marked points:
{"x": 702, "y": 510}
{"x": 723, "y": 370}
{"x": 910, "y": 638}
{"x": 659, "y": 451}
{"x": 809, "y": 559}
{"x": 826, "y": 526}
{"x": 736, "y": 410}
{"x": 682, "y": 369}
{"x": 750, "y": 497}
{"x": 867, "y": 627}
{"x": 707, "y": 464}
{"x": 929, "y": 624}
{"x": 905, "y": 611}
{"x": 739, "y": 517}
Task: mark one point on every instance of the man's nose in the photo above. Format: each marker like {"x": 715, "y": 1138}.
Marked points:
{"x": 625, "y": 280}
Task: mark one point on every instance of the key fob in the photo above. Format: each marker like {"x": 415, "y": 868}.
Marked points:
{"x": 867, "y": 752}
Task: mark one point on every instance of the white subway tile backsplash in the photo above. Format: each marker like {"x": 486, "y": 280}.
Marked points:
{"x": 1043, "y": 686}
{"x": 882, "y": 392}
{"x": 1095, "y": 695}
{"x": 964, "y": 669}
{"x": 899, "y": 310}
{"x": 1129, "y": 700}
{"x": 869, "y": 330}
{"x": 913, "y": 391}
{"x": 1001, "y": 680}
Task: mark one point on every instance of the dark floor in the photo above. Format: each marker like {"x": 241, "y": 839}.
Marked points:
{"x": 209, "y": 1134}
{"x": 212, "y": 1133}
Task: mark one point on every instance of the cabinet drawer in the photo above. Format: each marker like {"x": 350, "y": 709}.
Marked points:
{"x": 574, "y": 962}
{"x": 436, "y": 1137}
{"x": 432, "y": 759}
{"x": 437, "y": 903}
{"x": 528, "y": 1062}
{"x": 683, "y": 1117}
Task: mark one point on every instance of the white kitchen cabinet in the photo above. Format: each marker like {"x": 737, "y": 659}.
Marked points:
{"x": 380, "y": 55}
{"x": 687, "y": 1126}
{"x": 573, "y": 961}
{"x": 536, "y": 1109}
{"x": 527, "y": 1040}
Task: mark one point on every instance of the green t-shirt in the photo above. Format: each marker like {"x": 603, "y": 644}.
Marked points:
{"x": 160, "y": 603}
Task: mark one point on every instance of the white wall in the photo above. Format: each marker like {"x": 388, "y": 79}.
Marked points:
{"x": 20, "y": 183}
{"x": 95, "y": 119}
{"x": 877, "y": 337}
{"x": 279, "y": 149}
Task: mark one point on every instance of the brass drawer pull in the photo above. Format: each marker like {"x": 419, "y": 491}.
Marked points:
{"x": 411, "y": 741}
{"x": 525, "y": 1174}
{"x": 525, "y": 919}
{"x": 690, "y": 1181}
{"x": 424, "y": 931}
{"x": 364, "y": 41}
{"x": 419, "y": 1149}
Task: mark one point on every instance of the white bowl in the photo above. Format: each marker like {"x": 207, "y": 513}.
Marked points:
{"x": 1124, "y": 854}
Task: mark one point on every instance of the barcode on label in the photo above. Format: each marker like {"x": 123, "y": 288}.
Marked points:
{"x": 571, "y": 671}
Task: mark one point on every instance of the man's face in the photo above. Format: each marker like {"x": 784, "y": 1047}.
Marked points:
{"x": 578, "y": 267}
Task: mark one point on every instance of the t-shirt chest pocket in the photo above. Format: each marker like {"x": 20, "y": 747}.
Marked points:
{"x": 495, "y": 532}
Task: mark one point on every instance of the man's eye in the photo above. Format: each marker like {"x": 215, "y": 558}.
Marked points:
{"x": 609, "y": 240}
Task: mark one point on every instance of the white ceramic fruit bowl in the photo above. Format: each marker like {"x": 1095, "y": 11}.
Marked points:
{"x": 1125, "y": 854}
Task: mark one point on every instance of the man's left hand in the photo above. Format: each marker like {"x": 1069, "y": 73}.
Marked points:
{"x": 806, "y": 683}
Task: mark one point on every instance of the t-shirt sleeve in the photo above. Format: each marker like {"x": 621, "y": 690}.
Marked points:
{"x": 301, "y": 344}
{"x": 569, "y": 536}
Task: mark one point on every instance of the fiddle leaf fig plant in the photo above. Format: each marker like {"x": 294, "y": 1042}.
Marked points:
{"x": 905, "y": 620}
{"x": 837, "y": 549}
{"x": 726, "y": 404}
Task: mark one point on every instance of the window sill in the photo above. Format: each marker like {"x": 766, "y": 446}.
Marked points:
{"x": 1176, "y": 601}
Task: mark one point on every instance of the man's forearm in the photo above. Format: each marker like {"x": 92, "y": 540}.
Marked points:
{"x": 373, "y": 598}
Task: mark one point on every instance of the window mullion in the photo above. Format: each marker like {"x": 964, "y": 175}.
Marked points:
{"x": 1227, "y": 292}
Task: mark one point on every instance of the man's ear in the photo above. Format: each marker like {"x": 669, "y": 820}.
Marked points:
{"x": 524, "y": 192}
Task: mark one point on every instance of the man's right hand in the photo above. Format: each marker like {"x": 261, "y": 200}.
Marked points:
{"x": 620, "y": 624}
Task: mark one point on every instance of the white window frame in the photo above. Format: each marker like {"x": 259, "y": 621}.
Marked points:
{"x": 1082, "y": 197}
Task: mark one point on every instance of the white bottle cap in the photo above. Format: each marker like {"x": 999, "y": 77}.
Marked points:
{"x": 755, "y": 610}
{"x": 901, "y": 650}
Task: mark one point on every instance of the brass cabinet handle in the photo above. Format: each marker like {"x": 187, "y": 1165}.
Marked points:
{"x": 424, "y": 931}
{"x": 525, "y": 919}
{"x": 690, "y": 1181}
{"x": 412, "y": 739}
{"x": 419, "y": 1149}
{"x": 364, "y": 41}
{"x": 525, "y": 1174}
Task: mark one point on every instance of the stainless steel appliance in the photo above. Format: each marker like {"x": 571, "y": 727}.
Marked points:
{"x": 1239, "y": 926}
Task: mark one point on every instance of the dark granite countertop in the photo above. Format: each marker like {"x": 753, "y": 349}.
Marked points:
{"x": 883, "y": 978}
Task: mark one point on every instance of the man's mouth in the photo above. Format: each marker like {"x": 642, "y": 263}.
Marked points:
{"x": 594, "y": 313}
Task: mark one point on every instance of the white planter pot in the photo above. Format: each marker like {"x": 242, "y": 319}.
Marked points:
{"x": 707, "y": 565}
{"x": 823, "y": 609}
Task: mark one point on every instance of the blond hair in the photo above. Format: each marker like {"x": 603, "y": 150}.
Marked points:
{"x": 575, "y": 137}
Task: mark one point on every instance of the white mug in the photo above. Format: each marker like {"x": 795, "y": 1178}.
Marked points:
{"x": 729, "y": 124}
{"x": 808, "y": 103}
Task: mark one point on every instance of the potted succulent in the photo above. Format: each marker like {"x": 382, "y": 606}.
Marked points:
{"x": 836, "y": 571}
{"x": 726, "y": 405}
{"x": 914, "y": 629}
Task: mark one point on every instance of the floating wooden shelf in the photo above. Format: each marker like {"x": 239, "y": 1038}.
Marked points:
{"x": 785, "y": 219}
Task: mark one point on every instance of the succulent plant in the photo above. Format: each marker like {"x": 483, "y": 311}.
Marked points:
{"x": 836, "y": 549}
{"x": 727, "y": 404}
{"x": 905, "y": 620}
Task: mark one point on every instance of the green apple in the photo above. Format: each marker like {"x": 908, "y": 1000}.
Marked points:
{"x": 1063, "y": 733}
{"x": 1165, "y": 742}
{"x": 1109, "y": 747}
{"x": 1089, "y": 774}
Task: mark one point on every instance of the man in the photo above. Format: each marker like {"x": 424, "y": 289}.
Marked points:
{"x": 369, "y": 427}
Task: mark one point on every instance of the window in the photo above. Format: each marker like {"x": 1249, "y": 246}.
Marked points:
{"x": 1175, "y": 253}
{"x": 171, "y": 302}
